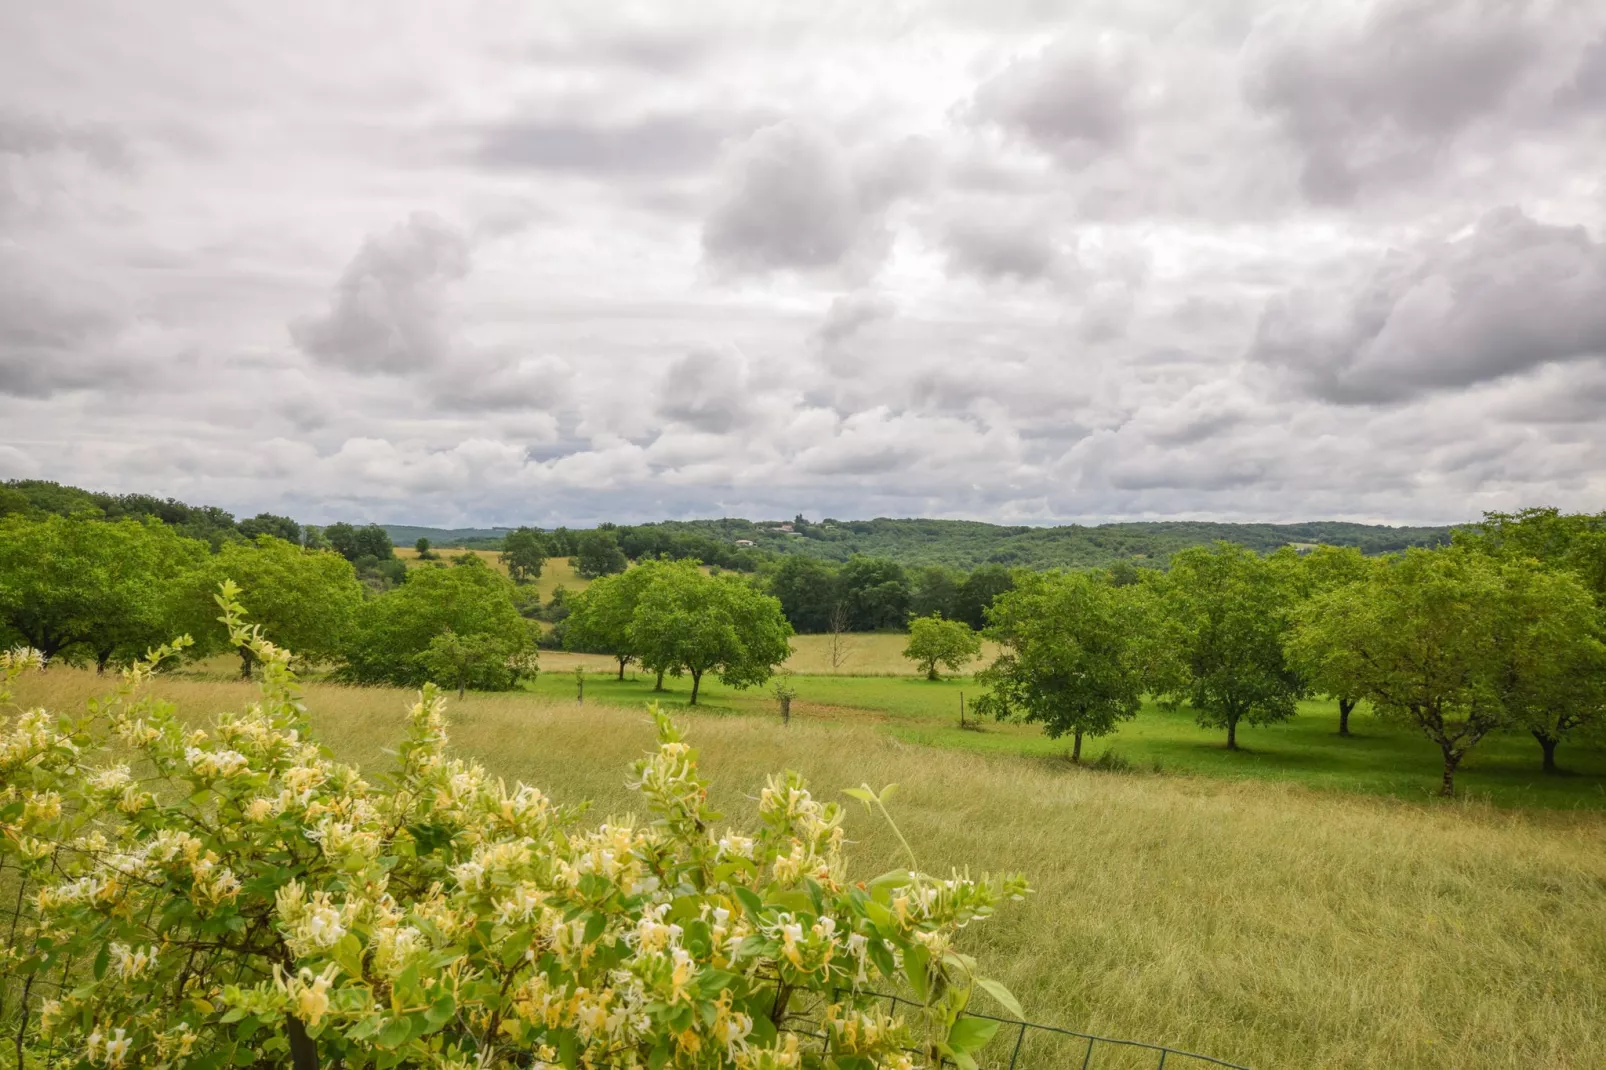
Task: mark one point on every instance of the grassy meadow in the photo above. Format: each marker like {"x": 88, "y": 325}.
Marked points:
{"x": 557, "y": 572}
{"x": 1251, "y": 919}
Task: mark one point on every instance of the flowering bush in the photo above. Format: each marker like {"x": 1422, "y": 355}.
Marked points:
{"x": 238, "y": 897}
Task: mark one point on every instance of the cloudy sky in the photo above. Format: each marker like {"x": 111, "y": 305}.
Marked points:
{"x": 512, "y": 262}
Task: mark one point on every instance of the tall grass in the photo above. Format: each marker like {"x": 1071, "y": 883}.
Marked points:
{"x": 1259, "y": 922}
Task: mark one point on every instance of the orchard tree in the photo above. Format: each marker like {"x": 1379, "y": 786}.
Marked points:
{"x": 482, "y": 661}
{"x": 280, "y": 527}
{"x": 394, "y": 632}
{"x": 598, "y": 554}
{"x": 1075, "y": 654}
{"x": 305, "y": 600}
{"x": 421, "y": 548}
{"x": 524, "y": 552}
{"x": 687, "y": 623}
{"x": 934, "y": 641}
{"x": 1455, "y": 642}
{"x": 1575, "y": 542}
{"x": 599, "y": 618}
{"x": 1224, "y": 612}
{"x": 1324, "y": 569}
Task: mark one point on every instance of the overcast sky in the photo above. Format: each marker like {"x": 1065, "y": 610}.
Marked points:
{"x": 542, "y": 263}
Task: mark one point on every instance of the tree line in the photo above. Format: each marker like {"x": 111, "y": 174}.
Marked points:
{"x": 1502, "y": 630}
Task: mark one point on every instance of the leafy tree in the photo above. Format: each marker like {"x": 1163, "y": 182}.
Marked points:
{"x": 14, "y": 502}
{"x": 524, "y": 552}
{"x": 354, "y": 543}
{"x": 482, "y": 661}
{"x": 876, "y": 593}
{"x": 1224, "y": 614}
{"x": 977, "y": 593}
{"x": 1074, "y": 654}
{"x": 935, "y": 589}
{"x": 934, "y": 641}
{"x": 421, "y": 548}
{"x": 393, "y": 634}
{"x": 1457, "y": 643}
{"x": 1325, "y": 568}
{"x": 598, "y": 619}
{"x": 280, "y": 527}
{"x": 75, "y": 586}
{"x": 689, "y": 623}
{"x": 598, "y": 554}
{"x": 809, "y": 591}
{"x": 1575, "y": 542}
{"x": 306, "y": 600}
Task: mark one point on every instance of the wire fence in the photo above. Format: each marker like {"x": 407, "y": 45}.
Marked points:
{"x": 26, "y": 980}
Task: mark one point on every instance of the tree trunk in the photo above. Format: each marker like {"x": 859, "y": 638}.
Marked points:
{"x": 1232, "y": 733}
{"x": 1451, "y": 760}
{"x": 1076, "y": 747}
{"x": 659, "y": 686}
{"x": 931, "y": 671}
{"x": 622, "y": 662}
{"x": 696, "y": 682}
{"x": 303, "y": 1049}
{"x": 245, "y": 663}
{"x": 1548, "y": 744}
{"x": 786, "y": 709}
{"x": 462, "y": 685}
{"x": 1345, "y": 706}
{"x": 101, "y": 659}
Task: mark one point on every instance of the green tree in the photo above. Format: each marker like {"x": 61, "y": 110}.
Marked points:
{"x": 598, "y": 554}
{"x": 934, "y": 641}
{"x": 280, "y": 527}
{"x": 599, "y": 618}
{"x": 306, "y": 600}
{"x": 421, "y": 548}
{"x": 809, "y": 591}
{"x": 876, "y": 594}
{"x": 524, "y": 552}
{"x": 687, "y": 623}
{"x": 1224, "y": 612}
{"x": 1455, "y": 642}
{"x": 354, "y": 543}
{"x": 1323, "y": 569}
{"x": 1575, "y": 542}
{"x": 979, "y": 591}
{"x": 80, "y": 587}
{"x": 1074, "y": 654}
{"x": 483, "y": 661}
{"x": 391, "y": 644}
{"x": 935, "y": 589}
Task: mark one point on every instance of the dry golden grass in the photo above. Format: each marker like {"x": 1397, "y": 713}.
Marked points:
{"x": 863, "y": 654}
{"x": 557, "y": 572}
{"x": 1257, "y": 922}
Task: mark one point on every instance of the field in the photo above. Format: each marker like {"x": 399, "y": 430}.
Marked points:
{"x": 1253, "y": 920}
{"x": 557, "y": 572}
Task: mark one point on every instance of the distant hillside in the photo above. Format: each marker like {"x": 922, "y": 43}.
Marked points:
{"x": 468, "y": 538}
{"x": 967, "y": 544}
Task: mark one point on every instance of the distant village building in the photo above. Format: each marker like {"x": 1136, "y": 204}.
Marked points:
{"x": 744, "y": 542}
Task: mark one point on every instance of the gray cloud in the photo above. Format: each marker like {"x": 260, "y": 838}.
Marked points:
{"x": 654, "y": 145}
{"x": 1070, "y": 100}
{"x": 1511, "y": 296}
{"x": 706, "y": 389}
{"x": 992, "y": 248}
{"x": 387, "y": 313}
{"x": 1375, "y": 99}
{"x": 794, "y": 197}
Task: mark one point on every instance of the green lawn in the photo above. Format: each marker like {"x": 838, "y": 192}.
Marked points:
{"x": 1380, "y": 758}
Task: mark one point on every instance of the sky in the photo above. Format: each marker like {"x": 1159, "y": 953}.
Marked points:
{"x": 1009, "y": 260}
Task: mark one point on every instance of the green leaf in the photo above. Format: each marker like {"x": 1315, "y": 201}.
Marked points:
{"x": 749, "y": 900}
{"x": 916, "y": 961}
{"x": 971, "y": 1034}
{"x": 594, "y": 926}
{"x": 864, "y": 795}
{"x": 395, "y": 1033}
{"x": 440, "y": 1012}
{"x": 101, "y": 958}
{"x": 1006, "y": 999}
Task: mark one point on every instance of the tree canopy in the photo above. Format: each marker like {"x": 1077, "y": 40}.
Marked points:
{"x": 934, "y": 641}
{"x": 600, "y": 617}
{"x": 524, "y": 552}
{"x": 1074, "y": 654}
{"x": 688, "y": 623}
{"x": 394, "y": 632}
{"x": 1223, "y": 613}
{"x": 597, "y": 554}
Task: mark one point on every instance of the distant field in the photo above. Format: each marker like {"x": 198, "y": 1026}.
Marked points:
{"x": 1256, "y": 921}
{"x": 558, "y": 571}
